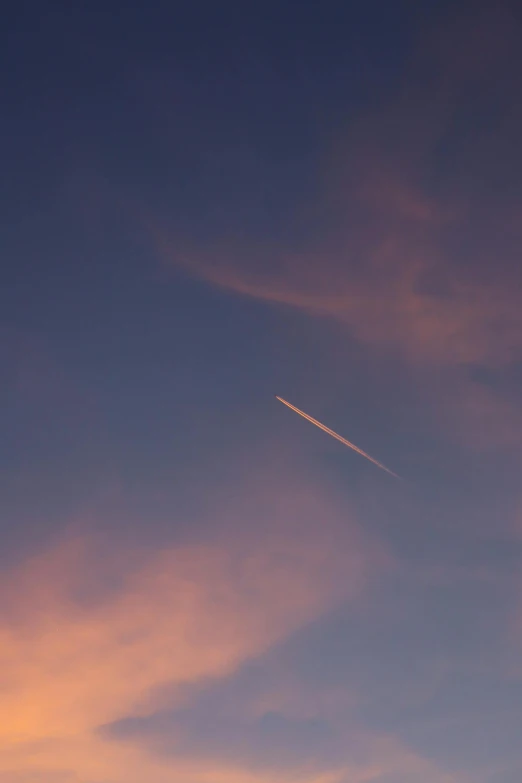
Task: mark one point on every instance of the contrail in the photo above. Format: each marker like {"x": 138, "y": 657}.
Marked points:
{"x": 335, "y": 435}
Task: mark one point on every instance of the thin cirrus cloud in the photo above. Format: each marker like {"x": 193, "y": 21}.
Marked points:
{"x": 412, "y": 248}
{"x": 419, "y": 252}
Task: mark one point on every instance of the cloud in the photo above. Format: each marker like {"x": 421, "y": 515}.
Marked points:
{"x": 92, "y": 629}
{"x": 420, "y": 674}
{"x": 296, "y": 735}
{"x": 419, "y": 249}
{"x": 411, "y": 246}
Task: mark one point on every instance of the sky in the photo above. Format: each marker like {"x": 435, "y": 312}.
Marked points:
{"x": 205, "y": 205}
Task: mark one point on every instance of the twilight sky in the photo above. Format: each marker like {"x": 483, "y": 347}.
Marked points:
{"x": 204, "y": 205}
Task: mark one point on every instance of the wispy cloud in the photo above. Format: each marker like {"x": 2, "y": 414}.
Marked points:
{"x": 417, "y": 237}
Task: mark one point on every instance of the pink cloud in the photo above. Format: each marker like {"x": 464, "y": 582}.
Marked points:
{"x": 409, "y": 265}
{"x": 92, "y": 628}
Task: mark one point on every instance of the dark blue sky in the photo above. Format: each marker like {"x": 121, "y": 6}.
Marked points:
{"x": 205, "y": 205}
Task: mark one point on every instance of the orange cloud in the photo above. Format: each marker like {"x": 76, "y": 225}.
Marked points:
{"x": 90, "y": 631}
{"x": 186, "y": 614}
{"x": 93, "y": 630}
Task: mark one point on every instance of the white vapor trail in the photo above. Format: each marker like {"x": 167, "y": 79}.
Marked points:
{"x": 336, "y": 436}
